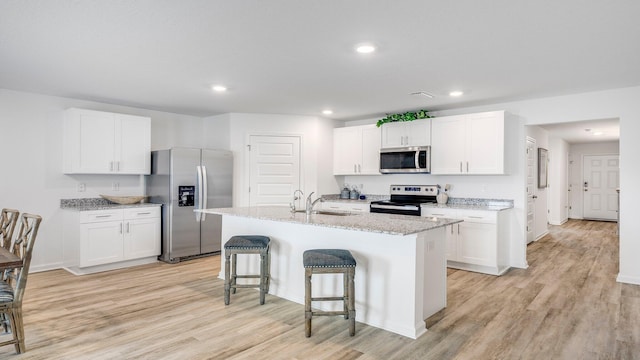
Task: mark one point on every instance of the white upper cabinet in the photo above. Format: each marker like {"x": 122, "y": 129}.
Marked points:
{"x": 406, "y": 133}
{"x": 97, "y": 142}
{"x": 356, "y": 150}
{"x": 468, "y": 144}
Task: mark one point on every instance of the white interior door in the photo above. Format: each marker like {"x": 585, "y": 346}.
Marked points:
{"x": 531, "y": 183}
{"x": 274, "y": 172}
{"x": 600, "y": 180}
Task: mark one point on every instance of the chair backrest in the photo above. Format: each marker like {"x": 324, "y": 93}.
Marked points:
{"x": 8, "y": 219}
{"x": 23, "y": 247}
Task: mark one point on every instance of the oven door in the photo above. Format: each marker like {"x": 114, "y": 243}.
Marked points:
{"x": 405, "y": 160}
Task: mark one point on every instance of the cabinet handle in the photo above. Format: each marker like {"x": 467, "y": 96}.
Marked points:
{"x": 144, "y": 213}
{"x": 451, "y": 229}
{"x": 406, "y": 140}
{"x": 128, "y": 228}
{"x": 467, "y": 166}
{"x": 120, "y": 228}
{"x": 103, "y": 216}
{"x": 458, "y": 225}
{"x": 460, "y": 166}
{"x": 359, "y": 169}
{"x": 117, "y": 165}
{"x": 110, "y": 165}
{"x": 434, "y": 214}
{"x": 475, "y": 217}
{"x": 355, "y": 167}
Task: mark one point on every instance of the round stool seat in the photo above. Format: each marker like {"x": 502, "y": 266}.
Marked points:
{"x": 328, "y": 258}
{"x": 240, "y": 242}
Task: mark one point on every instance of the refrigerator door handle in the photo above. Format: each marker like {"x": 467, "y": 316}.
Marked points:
{"x": 199, "y": 197}
{"x": 205, "y": 192}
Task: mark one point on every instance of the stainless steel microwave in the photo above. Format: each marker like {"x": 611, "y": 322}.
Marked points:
{"x": 405, "y": 160}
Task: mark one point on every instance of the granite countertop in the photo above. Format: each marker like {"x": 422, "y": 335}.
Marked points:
{"x": 370, "y": 222}
{"x": 474, "y": 204}
{"x": 89, "y": 204}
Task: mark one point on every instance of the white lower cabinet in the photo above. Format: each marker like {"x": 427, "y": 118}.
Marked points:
{"x": 480, "y": 243}
{"x": 101, "y": 240}
{"x": 345, "y": 206}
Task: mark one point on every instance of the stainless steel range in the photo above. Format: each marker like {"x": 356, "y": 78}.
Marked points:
{"x": 406, "y": 199}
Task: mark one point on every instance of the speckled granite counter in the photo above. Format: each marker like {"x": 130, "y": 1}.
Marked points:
{"x": 474, "y": 204}
{"x": 89, "y": 204}
{"x": 369, "y": 222}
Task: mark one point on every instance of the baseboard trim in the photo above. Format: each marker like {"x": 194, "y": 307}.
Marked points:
{"x": 628, "y": 279}
{"x": 45, "y": 267}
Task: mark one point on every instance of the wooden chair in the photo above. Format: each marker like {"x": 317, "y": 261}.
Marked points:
{"x": 8, "y": 219}
{"x": 12, "y": 289}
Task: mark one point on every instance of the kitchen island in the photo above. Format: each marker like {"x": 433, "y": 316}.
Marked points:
{"x": 401, "y": 263}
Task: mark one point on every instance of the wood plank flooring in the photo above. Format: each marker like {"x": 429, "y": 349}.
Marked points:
{"x": 566, "y": 305}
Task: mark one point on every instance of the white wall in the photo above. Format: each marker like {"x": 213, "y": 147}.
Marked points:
{"x": 217, "y": 132}
{"x": 558, "y": 195}
{"x": 316, "y": 153}
{"x": 31, "y": 147}
{"x": 576, "y": 156}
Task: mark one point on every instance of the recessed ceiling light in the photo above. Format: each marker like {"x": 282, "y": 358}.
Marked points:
{"x": 327, "y": 112}
{"x": 456, "y": 93}
{"x": 219, "y": 88}
{"x": 365, "y": 48}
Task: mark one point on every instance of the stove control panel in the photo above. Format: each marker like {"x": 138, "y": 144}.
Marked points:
{"x": 422, "y": 190}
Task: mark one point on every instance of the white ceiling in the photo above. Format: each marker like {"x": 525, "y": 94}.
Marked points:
{"x": 586, "y": 131}
{"x": 296, "y": 57}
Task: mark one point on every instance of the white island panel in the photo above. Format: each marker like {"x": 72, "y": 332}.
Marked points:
{"x": 400, "y": 278}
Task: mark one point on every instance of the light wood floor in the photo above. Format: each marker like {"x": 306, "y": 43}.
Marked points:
{"x": 566, "y": 305}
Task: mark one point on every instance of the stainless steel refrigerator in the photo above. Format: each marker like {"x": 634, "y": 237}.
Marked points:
{"x": 182, "y": 180}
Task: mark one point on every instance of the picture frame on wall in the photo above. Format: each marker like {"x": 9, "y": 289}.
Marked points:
{"x": 543, "y": 163}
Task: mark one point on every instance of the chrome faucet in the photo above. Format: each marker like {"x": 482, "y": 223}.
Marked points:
{"x": 296, "y": 197}
{"x": 310, "y": 203}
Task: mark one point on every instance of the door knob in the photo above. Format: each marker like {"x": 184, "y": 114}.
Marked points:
{"x": 535, "y": 196}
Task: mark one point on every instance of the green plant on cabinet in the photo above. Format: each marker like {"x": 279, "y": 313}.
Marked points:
{"x": 407, "y": 116}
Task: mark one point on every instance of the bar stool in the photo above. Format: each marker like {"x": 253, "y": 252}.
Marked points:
{"x": 246, "y": 244}
{"x": 330, "y": 261}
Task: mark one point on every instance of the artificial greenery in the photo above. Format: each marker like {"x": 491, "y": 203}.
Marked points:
{"x": 408, "y": 116}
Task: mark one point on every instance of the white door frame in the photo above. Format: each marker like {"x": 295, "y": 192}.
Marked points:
{"x": 530, "y": 189}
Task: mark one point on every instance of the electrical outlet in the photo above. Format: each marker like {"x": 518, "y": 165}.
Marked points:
{"x": 115, "y": 186}
{"x": 81, "y": 187}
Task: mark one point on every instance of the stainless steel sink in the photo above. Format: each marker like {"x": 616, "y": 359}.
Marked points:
{"x": 336, "y": 213}
{"x": 326, "y": 212}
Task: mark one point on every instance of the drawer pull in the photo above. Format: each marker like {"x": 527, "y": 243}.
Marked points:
{"x": 437, "y": 214}
{"x": 476, "y": 217}
{"x": 103, "y": 216}
{"x": 144, "y": 213}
